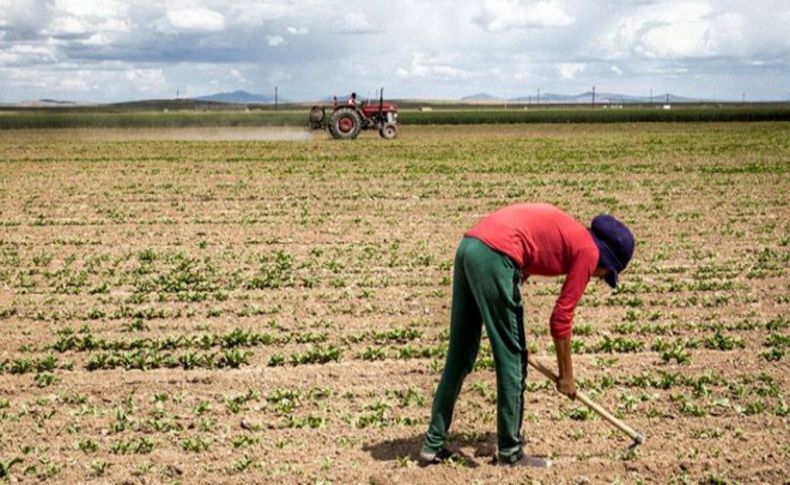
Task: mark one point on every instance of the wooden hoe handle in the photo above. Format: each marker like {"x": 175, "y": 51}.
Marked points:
{"x": 637, "y": 437}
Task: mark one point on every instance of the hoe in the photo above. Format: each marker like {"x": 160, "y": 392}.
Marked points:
{"x": 638, "y": 438}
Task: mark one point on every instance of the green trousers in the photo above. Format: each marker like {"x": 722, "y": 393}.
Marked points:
{"x": 485, "y": 291}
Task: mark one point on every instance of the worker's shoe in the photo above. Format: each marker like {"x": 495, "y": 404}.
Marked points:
{"x": 522, "y": 459}
{"x": 435, "y": 458}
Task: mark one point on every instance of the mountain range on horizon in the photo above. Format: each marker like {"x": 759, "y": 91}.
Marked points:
{"x": 241, "y": 97}
{"x": 584, "y": 98}
{"x": 238, "y": 97}
{"x": 244, "y": 97}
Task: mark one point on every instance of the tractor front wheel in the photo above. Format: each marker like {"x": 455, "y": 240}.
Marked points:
{"x": 389, "y": 131}
{"x": 345, "y": 124}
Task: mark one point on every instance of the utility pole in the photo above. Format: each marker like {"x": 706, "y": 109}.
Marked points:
{"x": 593, "y": 96}
{"x": 538, "y": 99}
{"x": 276, "y": 100}
{"x": 743, "y": 97}
{"x": 178, "y": 93}
{"x": 667, "y": 98}
{"x": 651, "y": 97}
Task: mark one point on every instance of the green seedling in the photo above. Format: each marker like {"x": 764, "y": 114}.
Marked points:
{"x": 195, "y": 444}
{"x": 677, "y": 353}
{"x": 234, "y": 403}
{"x": 87, "y": 445}
{"x": 244, "y": 441}
{"x": 5, "y": 466}
{"x": 580, "y": 414}
{"x": 137, "y": 446}
{"x": 99, "y": 467}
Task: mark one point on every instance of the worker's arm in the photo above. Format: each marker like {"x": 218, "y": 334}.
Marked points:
{"x": 561, "y": 320}
{"x": 566, "y": 383}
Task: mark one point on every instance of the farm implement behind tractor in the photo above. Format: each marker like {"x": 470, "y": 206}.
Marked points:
{"x": 347, "y": 119}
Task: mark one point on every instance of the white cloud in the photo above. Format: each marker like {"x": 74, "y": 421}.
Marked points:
{"x": 77, "y": 17}
{"x": 68, "y": 26}
{"x": 115, "y": 25}
{"x": 275, "y": 40}
{"x": 523, "y": 76}
{"x": 26, "y": 54}
{"x": 238, "y": 76}
{"x": 677, "y": 30}
{"x": 196, "y": 20}
{"x": 74, "y": 83}
{"x": 254, "y": 13}
{"x": 442, "y": 48}
{"x": 24, "y": 15}
{"x": 146, "y": 80}
{"x": 503, "y": 15}
{"x": 88, "y": 8}
{"x": 69, "y": 81}
{"x": 570, "y": 70}
{"x": 423, "y": 67}
{"x": 98, "y": 39}
{"x": 356, "y": 23}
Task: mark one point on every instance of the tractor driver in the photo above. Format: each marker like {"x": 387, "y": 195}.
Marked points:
{"x": 352, "y": 101}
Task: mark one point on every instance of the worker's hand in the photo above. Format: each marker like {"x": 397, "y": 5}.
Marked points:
{"x": 567, "y": 386}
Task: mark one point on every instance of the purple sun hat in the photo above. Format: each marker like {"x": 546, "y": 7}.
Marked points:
{"x": 615, "y": 245}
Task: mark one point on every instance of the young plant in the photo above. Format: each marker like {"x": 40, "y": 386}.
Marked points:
{"x": 196, "y": 444}
{"x": 234, "y": 403}
{"x": 243, "y": 464}
{"x": 580, "y": 414}
{"x": 374, "y": 353}
{"x": 244, "y": 441}
{"x": 99, "y": 467}
{"x": 87, "y": 445}
{"x": 5, "y": 466}
{"x": 677, "y": 353}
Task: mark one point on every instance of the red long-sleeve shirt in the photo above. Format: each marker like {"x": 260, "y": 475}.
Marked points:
{"x": 543, "y": 240}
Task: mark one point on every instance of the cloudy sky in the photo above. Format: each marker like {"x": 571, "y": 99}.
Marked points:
{"x": 112, "y": 50}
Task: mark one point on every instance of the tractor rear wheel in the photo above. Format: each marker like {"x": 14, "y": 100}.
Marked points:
{"x": 345, "y": 124}
{"x": 389, "y": 131}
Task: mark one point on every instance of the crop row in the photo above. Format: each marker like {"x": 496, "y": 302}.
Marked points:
{"x": 539, "y": 114}
{"x": 84, "y": 341}
{"x": 147, "y": 353}
{"x": 197, "y": 279}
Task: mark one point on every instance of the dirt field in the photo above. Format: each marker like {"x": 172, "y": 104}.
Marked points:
{"x": 277, "y": 311}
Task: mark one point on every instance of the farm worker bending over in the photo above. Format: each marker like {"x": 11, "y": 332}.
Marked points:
{"x": 492, "y": 260}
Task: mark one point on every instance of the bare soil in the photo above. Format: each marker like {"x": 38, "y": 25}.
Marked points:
{"x": 222, "y": 306}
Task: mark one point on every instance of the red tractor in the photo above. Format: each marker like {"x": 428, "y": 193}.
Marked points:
{"x": 347, "y": 119}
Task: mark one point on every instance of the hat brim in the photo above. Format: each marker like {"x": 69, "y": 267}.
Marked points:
{"x": 608, "y": 261}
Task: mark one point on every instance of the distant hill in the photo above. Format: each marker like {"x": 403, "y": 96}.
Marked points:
{"x": 480, "y": 97}
{"x": 46, "y": 103}
{"x": 173, "y": 104}
{"x": 238, "y": 97}
{"x": 604, "y": 98}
